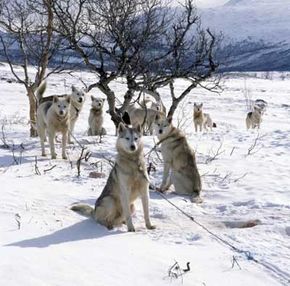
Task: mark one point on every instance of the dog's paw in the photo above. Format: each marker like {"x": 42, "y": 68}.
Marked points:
{"x": 150, "y": 226}
{"x": 53, "y": 156}
{"x": 64, "y": 157}
{"x": 43, "y": 155}
{"x": 131, "y": 229}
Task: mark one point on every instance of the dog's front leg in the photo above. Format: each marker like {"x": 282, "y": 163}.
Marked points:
{"x": 125, "y": 197}
{"x": 71, "y": 129}
{"x": 166, "y": 181}
{"x": 64, "y": 140}
{"x": 51, "y": 136}
{"x": 145, "y": 204}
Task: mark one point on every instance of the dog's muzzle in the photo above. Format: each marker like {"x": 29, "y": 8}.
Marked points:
{"x": 80, "y": 100}
{"x": 160, "y": 131}
{"x": 133, "y": 148}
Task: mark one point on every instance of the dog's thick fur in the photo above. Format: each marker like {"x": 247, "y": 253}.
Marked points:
{"x": 127, "y": 181}
{"x": 201, "y": 119}
{"x": 178, "y": 158}
{"x": 77, "y": 101}
{"x": 52, "y": 117}
{"x": 96, "y": 118}
{"x": 254, "y": 118}
{"x": 144, "y": 117}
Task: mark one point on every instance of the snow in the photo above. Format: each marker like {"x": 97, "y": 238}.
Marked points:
{"x": 44, "y": 243}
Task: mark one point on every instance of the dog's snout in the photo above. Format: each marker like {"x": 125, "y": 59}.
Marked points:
{"x": 132, "y": 147}
{"x": 61, "y": 112}
{"x": 160, "y": 131}
{"x": 80, "y": 99}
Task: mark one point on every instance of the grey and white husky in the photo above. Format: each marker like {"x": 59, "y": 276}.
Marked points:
{"x": 127, "y": 181}
{"x": 96, "y": 118}
{"x": 52, "y": 117}
{"x": 77, "y": 97}
{"x": 201, "y": 119}
{"x": 179, "y": 159}
{"x": 254, "y": 118}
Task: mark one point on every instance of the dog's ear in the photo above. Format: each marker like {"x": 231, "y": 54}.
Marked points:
{"x": 68, "y": 98}
{"x": 92, "y": 98}
{"x": 169, "y": 119}
{"x": 55, "y": 99}
{"x": 121, "y": 127}
{"x": 201, "y": 105}
{"x": 73, "y": 88}
{"x": 157, "y": 117}
{"x": 139, "y": 128}
{"x": 195, "y": 104}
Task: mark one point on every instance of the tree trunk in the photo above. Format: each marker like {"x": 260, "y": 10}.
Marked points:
{"x": 32, "y": 111}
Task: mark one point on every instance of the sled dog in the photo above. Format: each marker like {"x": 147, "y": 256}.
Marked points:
{"x": 127, "y": 181}
{"x": 52, "y": 117}
{"x": 201, "y": 119}
{"x": 144, "y": 117}
{"x": 96, "y": 118}
{"x": 77, "y": 97}
{"x": 178, "y": 158}
{"x": 254, "y": 118}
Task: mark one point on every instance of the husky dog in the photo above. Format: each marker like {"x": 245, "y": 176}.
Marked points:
{"x": 178, "y": 158}
{"x": 144, "y": 117}
{"x": 201, "y": 119}
{"x": 254, "y": 118}
{"x": 262, "y": 104}
{"x": 96, "y": 118}
{"x": 77, "y": 101}
{"x": 127, "y": 181}
{"x": 53, "y": 116}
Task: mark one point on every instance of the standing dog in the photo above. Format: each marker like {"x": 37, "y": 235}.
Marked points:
{"x": 178, "y": 158}
{"x": 127, "y": 181}
{"x": 77, "y": 101}
{"x": 96, "y": 118}
{"x": 200, "y": 118}
{"x": 144, "y": 117}
{"x": 53, "y": 116}
{"x": 254, "y": 118}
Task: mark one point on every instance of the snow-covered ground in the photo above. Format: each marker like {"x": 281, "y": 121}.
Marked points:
{"x": 44, "y": 243}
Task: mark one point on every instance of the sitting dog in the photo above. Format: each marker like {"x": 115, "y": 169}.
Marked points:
{"x": 127, "y": 181}
{"x": 254, "y": 118}
{"x": 178, "y": 158}
{"x": 201, "y": 119}
{"x": 52, "y": 117}
{"x": 77, "y": 101}
{"x": 96, "y": 118}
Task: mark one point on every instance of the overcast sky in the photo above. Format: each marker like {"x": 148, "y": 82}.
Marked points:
{"x": 209, "y": 3}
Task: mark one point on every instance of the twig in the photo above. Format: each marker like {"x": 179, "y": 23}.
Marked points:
{"x": 235, "y": 261}
{"x": 37, "y": 172}
{"x": 215, "y": 155}
{"x": 47, "y": 170}
{"x": 18, "y": 220}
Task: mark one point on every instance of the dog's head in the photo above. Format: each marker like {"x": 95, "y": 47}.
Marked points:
{"x": 162, "y": 125}
{"x": 61, "y": 105}
{"x": 78, "y": 95}
{"x": 197, "y": 107}
{"x": 258, "y": 110}
{"x": 129, "y": 139}
{"x": 97, "y": 102}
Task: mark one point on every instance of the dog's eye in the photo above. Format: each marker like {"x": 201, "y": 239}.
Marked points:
{"x": 136, "y": 138}
{"x": 158, "y": 124}
{"x": 127, "y": 138}
{"x": 58, "y": 106}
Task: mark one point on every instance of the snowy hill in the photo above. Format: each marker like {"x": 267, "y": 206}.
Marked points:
{"x": 257, "y": 30}
{"x": 42, "y": 242}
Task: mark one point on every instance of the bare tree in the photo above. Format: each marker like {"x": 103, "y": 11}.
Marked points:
{"x": 112, "y": 37}
{"x": 29, "y": 31}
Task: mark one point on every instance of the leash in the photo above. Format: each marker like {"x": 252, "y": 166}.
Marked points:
{"x": 283, "y": 275}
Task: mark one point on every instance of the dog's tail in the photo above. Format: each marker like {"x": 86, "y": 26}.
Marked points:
{"x": 214, "y": 125}
{"x": 84, "y": 210}
{"x": 40, "y": 91}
